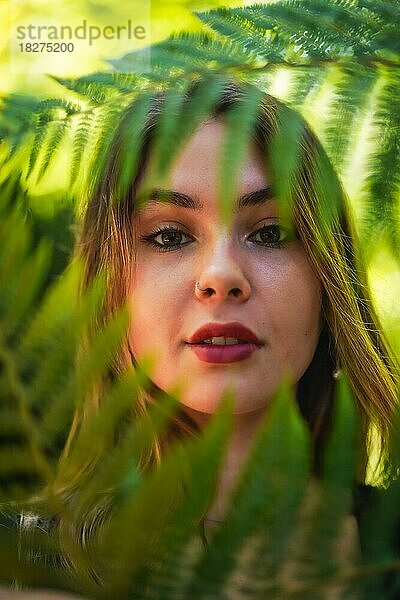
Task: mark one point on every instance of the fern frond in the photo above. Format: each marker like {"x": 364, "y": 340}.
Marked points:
{"x": 178, "y": 120}
{"x": 185, "y": 482}
{"x": 187, "y": 53}
{"x": 240, "y": 122}
{"x": 34, "y": 333}
{"x": 378, "y": 538}
{"x": 55, "y": 136}
{"x": 16, "y": 119}
{"x": 82, "y": 135}
{"x": 335, "y": 28}
{"x": 387, "y": 11}
{"x": 101, "y": 86}
{"x": 342, "y": 451}
{"x": 114, "y": 466}
{"x": 168, "y": 132}
{"x": 290, "y": 33}
{"x": 303, "y": 83}
{"x": 130, "y": 128}
{"x": 41, "y": 129}
{"x": 386, "y": 15}
{"x": 317, "y": 31}
{"x": 22, "y": 288}
{"x": 238, "y": 25}
{"x": 263, "y": 22}
{"x": 36, "y": 469}
{"x": 351, "y": 98}
{"x": 107, "y": 118}
{"x": 384, "y": 165}
{"x": 285, "y": 156}
{"x": 51, "y": 120}
{"x": 263, "y": 507}
{"x": 16, "y": 240}
{"x": 325, "y": 516}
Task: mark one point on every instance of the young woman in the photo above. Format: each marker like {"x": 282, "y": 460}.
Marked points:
{"x": 236, "y": 304}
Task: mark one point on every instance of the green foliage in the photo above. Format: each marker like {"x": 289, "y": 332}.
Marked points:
{"x": 359, "y": 41}
{"x": 287, "y": 534}
{"x": 282, "y": 531}
{"x": 239, "y": 126}
{"x": 264, "y": 509}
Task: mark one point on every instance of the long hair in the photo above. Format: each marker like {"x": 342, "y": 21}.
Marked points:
{"x": 351, "y": 338}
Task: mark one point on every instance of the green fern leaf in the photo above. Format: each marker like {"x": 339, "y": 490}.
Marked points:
{"x": 46, "y": 135}
{"x": 184, "y": 484}
{"x": 81, "y": 138}
{"x": 41, "y": 130}
{"x": 263, "y": 508}
{"x": 101, "y": 86}
{"x": 238, "y": 25}
{"x": 187, "y": 53}
{"x": 352, "y": 96}
{"x": 240, "y": 123}
{"x": 55, "y": 136}
{"x": 131, "y": 129}
{"x": 105, "y": 125}
{"x": 384, "y": 179}
{"x": 325, "y": 522}
{"x": 178, "y": 120}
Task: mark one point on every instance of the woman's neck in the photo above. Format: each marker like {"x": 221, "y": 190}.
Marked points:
{"x": 240, "y": 442}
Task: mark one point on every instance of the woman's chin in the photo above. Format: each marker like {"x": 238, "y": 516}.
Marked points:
{"x": 208, "y": 401}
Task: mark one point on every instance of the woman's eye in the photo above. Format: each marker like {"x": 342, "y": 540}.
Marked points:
{"x": 168, "y": 238}
{"x": 269, "y": 235}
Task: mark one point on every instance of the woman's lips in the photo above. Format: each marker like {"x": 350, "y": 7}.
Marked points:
{"x": 223, "y": 354}
{"x": 219, "y": 352}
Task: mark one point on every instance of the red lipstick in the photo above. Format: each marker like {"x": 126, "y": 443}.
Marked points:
{"x": 236, "y": 342}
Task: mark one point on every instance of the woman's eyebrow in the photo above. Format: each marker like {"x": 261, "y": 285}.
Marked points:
{"x": 254, "y": 198}
{"x": 164, "y": 196}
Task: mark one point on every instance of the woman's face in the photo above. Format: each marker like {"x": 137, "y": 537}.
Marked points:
{"x": 258, "y": 319}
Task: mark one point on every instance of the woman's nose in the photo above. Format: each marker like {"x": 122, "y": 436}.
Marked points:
{"x": 222, "y": 276}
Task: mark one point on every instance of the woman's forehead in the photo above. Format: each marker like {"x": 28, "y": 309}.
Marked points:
{"x": 200, "y": 162}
